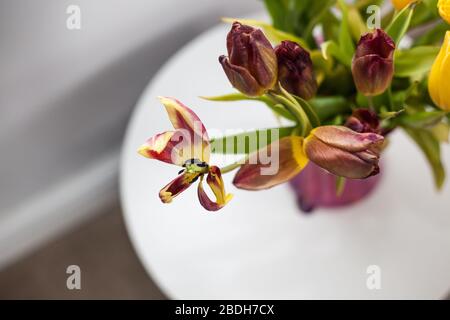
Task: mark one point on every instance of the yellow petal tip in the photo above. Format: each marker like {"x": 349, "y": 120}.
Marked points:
{"x": 143, "y": 150}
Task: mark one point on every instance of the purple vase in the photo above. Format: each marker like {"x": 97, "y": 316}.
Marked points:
{"x": 314, "y": 187}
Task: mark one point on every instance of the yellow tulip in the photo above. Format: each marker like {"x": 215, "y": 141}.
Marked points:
{"x": 439, "y": 82}
{"x": 444, "y": 9}
{"x": 400, "y": 4}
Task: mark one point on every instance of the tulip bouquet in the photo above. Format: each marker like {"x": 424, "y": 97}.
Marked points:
{"x": 340, "y": 77}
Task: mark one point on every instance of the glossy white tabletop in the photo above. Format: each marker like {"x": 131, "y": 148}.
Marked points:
{"x": 260, "y": 246}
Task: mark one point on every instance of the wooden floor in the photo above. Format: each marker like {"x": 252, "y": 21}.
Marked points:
{"x": 109, "y": 266}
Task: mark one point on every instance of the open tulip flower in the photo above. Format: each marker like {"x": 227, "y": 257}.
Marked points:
{"x": 188, "y": 147}
{"x": 336, "y": 149}
{"x": 337, "y": 86}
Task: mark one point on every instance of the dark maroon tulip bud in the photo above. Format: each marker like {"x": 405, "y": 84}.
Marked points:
{"x": 373, "y": 65}
{"x": 295, "y": 70}
{"x": 364, "y": 120}
{"x": 251, "y": 65}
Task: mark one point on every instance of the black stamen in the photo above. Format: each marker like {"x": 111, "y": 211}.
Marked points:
{"x": 202, "y": 164}
{"x": 196, "y": 162}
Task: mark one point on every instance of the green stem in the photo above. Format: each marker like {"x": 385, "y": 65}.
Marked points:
{"x": 390, "y": 98}
{"x": 296, "y": 110}
{"x": 231, "y": 166}
{"x": 340, "y": 185}
{"x": 371, "y": 104}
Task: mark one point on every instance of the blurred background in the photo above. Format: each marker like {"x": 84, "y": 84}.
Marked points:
{"x": 65, "y": 99}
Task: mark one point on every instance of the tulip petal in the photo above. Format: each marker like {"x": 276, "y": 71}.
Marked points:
{"x": 171, "y": 147}
{"x": 400, "y": 4}
{"x": 177, "y": 186}
{"x": 372, "y": 74}
{"x": 340, "y": 162}
{"x": 444, "y": 9}
{"x": 347, "y": 139}
{"x": 241, "y": 78}
{"x": 264, "y": 66}
{"x": 256, "y": 174}
{"x": 437, "y": 81}
{"x": 185, "y": 119}
{"x": 237, "y": 41}
{"x": 215, "y": 182}
{"x": 377, "y": 42}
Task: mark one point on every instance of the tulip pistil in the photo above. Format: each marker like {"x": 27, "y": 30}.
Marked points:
{"x": 196, "y": 166}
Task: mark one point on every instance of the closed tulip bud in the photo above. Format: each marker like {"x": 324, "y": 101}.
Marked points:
{"x": 344, "y": 152}
{"x": 373, "y": 65}
{"x": 295, "y": 70}
{"x": 400, "y": 4}
{"x": 438, "y": 82}
{"x": 251, "y": 65}
{"x": 444, "y": 9}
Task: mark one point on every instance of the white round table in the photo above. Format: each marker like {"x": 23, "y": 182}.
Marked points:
{"x": 260, "y": 246}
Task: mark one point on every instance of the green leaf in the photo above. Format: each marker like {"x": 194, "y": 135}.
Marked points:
{"x": 433, "y": 36}
{"x": 330, "y": 106}
{"x": 336, "y": 121}
{"x": 345, "y": 38}
{"x": 331, "y": 49}
{"x": 330, "y": 25}
{"x": 321, "y": 66}
{"x": 415, "y": 61}
{"x": 441, "y": 132}
{"x": 431, "y": 149}
{"x": 387, "y": 115}
{"x": 427, "y": 11}
{"x": 276, "y": 10}
{"x": 314, "y": 14}
{"x": 356, "y": 23}
{"x": 400, "y": 24}
{"x": 400, "y": 97}
{"x": 378, "y": 102}
{"x": 298, "y": 17}
{"x": 422, "y": 120}
{"x": 275, "y": 107}
{"x": 247, "y": 142}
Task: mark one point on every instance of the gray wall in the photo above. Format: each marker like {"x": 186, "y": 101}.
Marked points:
{"x": 65, "y": 97}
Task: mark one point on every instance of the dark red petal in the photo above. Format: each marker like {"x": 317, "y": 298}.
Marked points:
{"x": 177, "y": 186}
{"x": 254, "y": 175}
{"x": 240, "y": 78}
{"x": 216, "y": 184}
